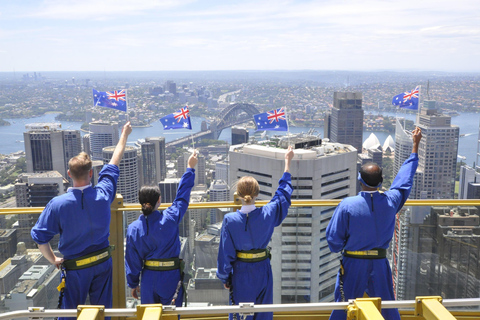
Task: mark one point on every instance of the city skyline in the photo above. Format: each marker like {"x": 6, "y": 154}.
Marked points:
{"x": 250, "y": 35}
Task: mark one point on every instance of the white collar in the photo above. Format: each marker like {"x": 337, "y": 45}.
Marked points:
{"x": 370, "y": 191}
{"x": 247, "y": 208}
{"x": 79, "y": 188}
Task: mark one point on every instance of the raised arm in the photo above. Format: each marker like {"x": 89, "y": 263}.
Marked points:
{"x": 288, "y": 158}
{"x": 120, "y": 148}
{"x": 403, "y": 182}
{"x": 180, "y": 204}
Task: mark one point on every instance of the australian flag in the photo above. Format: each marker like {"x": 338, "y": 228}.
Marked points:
{"x": 177, "y": 120}
{"x": 274, "y": 120}
{"x": 111, "y": 99}
{"x": 407, "y": 100}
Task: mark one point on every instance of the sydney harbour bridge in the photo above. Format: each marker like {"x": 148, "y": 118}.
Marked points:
{"x": 236, "y": 113}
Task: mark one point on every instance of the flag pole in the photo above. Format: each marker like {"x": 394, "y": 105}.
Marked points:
{"x": 288, "y": 127}
{"x": 126, "y": 107}
{"x": 417, "y": 120}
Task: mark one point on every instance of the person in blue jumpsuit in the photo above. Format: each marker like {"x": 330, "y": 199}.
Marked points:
{"x": 362, "y": 226}
{"x": 153, "y": 244}
{"x": 243, "y": 261}
{"x": 82, "y": 218}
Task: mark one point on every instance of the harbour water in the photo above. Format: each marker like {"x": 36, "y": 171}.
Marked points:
{"x": 12, "y": 135}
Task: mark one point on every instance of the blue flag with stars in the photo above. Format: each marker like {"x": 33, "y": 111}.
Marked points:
{"x": 177, "y": 120}
{"x": 274, "y": 120}
{"x": 407, "y": 100}
{"x": 111, "y": 99}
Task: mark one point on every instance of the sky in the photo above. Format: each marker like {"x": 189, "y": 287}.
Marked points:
{"x": 147, "y": 35}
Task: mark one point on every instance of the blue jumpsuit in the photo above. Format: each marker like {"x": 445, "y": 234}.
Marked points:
{"x": 365, "y": 222}
{"x": 156, "y": 236}
{"x": 82, "y": 218}
{"x": 252, "y": 281}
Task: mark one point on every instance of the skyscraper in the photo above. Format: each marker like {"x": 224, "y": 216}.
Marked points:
{"x": 403, "y": 145}
{"x": 128, "y": 182}
{"x": 154, "y": 167}
{"x": 36, "y": 190}
{"x": 435, "y": 177}
{"x": 239, "y": 135}
{"x": 469, "y": 186}
{"x": 48, "y": 148}
{"x": 304, "y": 269}
{"x": 218, "y": 191}
{"x": 102, "y": 134}
{"x": 344, "y": 123}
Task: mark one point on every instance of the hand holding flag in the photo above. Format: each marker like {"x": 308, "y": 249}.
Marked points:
{"x": 111, "y": 99}
{"x": 274, "y": 120}
{"x": 407, "y": 100}
{"x": 177, "y": 120}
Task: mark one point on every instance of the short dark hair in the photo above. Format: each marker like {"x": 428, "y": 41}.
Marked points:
{"x": 148, "y": 197}
{"x": 371, "y": 173}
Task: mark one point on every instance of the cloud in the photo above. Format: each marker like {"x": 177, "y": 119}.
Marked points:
{"x": 99, "y": 10}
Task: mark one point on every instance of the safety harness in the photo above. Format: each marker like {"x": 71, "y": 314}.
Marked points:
{"x": 167, "y": 265}
{"x": 376, "y": 253}
{"x": 253, "y": 255}
{"x": 86, "y": 261}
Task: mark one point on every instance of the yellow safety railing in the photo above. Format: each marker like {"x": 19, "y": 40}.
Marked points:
{"x": 425, "y": 308}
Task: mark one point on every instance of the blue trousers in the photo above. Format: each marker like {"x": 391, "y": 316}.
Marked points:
{"x": 371, "y": 276}
{"x": 160, "y": 286}
{"x": 253, "y": 282}
{"x": 94, "y": 281}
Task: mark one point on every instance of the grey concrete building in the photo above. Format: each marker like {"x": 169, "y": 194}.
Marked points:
{"x": 344, "y": 123}
{"x": 102, "y": 134}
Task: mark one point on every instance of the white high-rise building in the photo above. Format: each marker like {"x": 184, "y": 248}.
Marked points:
{"x": 304, "y": 269}
{"x": 200, "y": 174}
{"x": 219, "y": 191}
{"x": 128, "y": 182}
{"x": 403, "y": 145}
{"x": 102, "y": 134}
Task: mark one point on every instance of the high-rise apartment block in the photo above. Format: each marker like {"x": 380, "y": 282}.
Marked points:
{"x": 36, "y": 190}
{"x": 102, "y": 134}
{"x": 154, "y": 167}
{"x": 304, "y": 269}
{"x": 239, "y": 135}
{"x": 218, "y": 191}
{"x": 437, "y": 253}
{"x": 469, "y": 187}
{"x": 128, "y": 182}
{"x": 344, "y": 123}
{"x": 437, "y": 153}
{"x": 48, "y": 148}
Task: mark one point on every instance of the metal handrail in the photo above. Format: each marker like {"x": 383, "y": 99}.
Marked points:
{"x": 215, "y": 310}
{"x": 231, "y": 204}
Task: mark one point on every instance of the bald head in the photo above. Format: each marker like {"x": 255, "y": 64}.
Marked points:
{"x": 371, "y": 174}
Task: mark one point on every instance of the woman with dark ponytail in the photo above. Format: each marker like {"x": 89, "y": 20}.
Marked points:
{"x": 243, "y": 258}
{"x": 153, "y": 244}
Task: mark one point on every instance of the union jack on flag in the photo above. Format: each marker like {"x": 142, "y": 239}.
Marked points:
{"x": 111, "y": 99}
{"x": 117, "y": 95}
{"x": 177, "y": 120}
{"x": 407, "y": 100}
{"x": 276, "y": 115}
{"x": 182, "y": 114}
{"x": 274, "y": 120}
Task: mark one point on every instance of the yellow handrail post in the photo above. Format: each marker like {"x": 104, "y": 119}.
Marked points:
{"x": 91, "y": 312}
{"x": 118, "y": 255}
{"x": 149, "y": 311}
{"x": 365, "y": 309}
{"x": 431, "y": 308}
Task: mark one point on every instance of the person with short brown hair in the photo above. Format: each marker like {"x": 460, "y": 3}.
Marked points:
{"x": 82, "y": 218}
{"x": 243, "y": 258}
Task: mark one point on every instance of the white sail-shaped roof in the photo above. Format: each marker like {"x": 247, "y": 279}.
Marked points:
{"x": 389, "y": 144}
{"x": 372, "y": 142}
